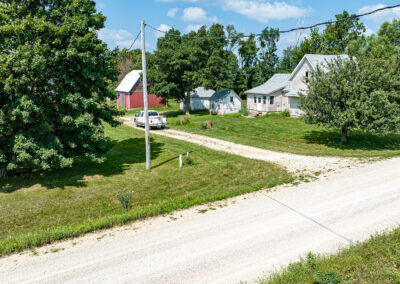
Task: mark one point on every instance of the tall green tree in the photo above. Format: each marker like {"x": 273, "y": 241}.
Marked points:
{"x": 248, "y": 61}
{"x": 267, "y": 58}
{"x": 53, "y": 84}
{"x": 335, "y": 39}
{"x": 184, "y": 62}
{"x": 355, "y": 94}
{"x": 287, "y": 62}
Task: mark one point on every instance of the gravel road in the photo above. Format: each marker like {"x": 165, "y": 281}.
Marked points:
{"x": 237, "y": 239}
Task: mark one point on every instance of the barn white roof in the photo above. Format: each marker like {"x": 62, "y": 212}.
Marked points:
{"x": 129, "y": 81}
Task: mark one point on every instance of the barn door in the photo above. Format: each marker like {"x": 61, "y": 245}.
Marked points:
{"x": 122, "y": 100}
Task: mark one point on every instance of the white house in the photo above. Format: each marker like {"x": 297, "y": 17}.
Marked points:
{"x": 283, "y": 91}
{"x": 224, "y": 102}
{"x": 199, "y": 99}
{"x": 218, "y": 102}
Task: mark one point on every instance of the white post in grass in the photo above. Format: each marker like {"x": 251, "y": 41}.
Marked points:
{"x": 146, "y": 106}
{"x": 180, "y": 161}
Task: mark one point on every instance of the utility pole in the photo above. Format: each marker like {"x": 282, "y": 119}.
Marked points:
{"x": 146, "y": 105}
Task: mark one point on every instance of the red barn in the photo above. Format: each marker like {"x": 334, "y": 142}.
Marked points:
{"x": 130, "y": 92}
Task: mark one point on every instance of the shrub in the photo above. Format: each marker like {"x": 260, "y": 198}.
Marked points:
{"x": 125, "y": 199}
{"x": 189, "y": 161}
{"x": 285, "y": 113}
{"x": 184, "y": 120}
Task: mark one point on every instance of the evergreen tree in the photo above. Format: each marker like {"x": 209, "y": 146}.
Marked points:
{"x": 53, "y": 84}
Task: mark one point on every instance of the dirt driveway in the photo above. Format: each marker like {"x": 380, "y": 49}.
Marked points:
{"x": 292, "y": 162}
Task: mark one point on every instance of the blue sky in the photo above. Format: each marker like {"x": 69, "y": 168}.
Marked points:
{"x": 248, "y": 16}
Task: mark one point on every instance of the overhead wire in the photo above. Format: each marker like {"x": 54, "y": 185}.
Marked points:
{"x": 284, "y": 31}
{"x": 133, "y": 43}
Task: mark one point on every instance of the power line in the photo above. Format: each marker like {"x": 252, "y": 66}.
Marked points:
{"x": 133, "y": 43}
{"x": 286, "y": 31}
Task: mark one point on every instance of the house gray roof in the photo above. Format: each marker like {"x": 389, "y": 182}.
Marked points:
{"x": 317, "y": 60}
{"x": 202, "y": 92}
{"x": 275, "y": 83}
{"x": 320, "y": 60}
{"x": 220, "y": 94}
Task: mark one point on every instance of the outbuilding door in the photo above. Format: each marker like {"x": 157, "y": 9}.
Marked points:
{"x": 122, "y": 100}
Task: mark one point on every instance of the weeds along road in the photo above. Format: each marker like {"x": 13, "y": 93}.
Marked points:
{"x": 237, "y": 239}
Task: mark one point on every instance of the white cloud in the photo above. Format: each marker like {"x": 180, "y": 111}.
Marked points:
{"x": 162, "y": 27}
{"x": 263, "y": 11}
{"x": 120, "y": 38}
{"x": 101, "y": 5}
{"x": 197, "y": 15}
{"x": 172, "y": 12}
{"x": 368, "y": 31}
{"x": 191, "y": 28}
{"x": 385, "y": 15}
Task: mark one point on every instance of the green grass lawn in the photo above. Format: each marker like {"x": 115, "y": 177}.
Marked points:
{"x": 288, "y": 135}
{"x": 172, "y": 106}
{"x": 43, "y": 207}
{"x": 374, "y": 261}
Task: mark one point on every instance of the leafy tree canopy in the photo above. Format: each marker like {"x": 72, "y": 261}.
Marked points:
{"x": 53, "y": 84}
{"x": 355, "y": 94}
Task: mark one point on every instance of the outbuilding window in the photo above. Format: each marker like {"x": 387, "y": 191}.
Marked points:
{"x": 255, "y": 99}
{"x": 271, "y": 100}
{"x": 264, "y": 99}
{"x": 307, "y": 74}
{"x": 259, "y": 100}
{"x": 231, "y": 99}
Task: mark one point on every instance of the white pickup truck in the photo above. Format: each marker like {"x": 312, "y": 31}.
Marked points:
{"x": 155, "y": 119}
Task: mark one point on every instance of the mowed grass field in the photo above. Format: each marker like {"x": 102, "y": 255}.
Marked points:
{"x": 45, "y": 206}
{"x": 285, "y": 134}
{"x": 374, "y": 261}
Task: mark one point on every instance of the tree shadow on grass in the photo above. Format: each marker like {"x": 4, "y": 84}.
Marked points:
{"x": 357, "y": 140}
{"x": 122, "y": 156}
{"x": 171, "y": 114}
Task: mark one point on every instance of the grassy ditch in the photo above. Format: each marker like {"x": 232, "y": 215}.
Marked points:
{"x": 374, "y": 261}
{"x": 46, "y": 206}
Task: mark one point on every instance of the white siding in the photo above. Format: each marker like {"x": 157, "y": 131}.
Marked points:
{"x": 298, "y": 84}
{"x": 280, "y": 103}
{"x": 197, "y": 104}
{"x": 226, "y": 106}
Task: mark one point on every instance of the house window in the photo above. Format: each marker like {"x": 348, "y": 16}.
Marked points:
{"x": 307, "y": 74}
{"x": 271, "y": 100}
{"x": 264, "y": 99}
{"x": 259, "y": 100}
{"x": 255, "y": 99}
{"x": 231, "y": 99}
